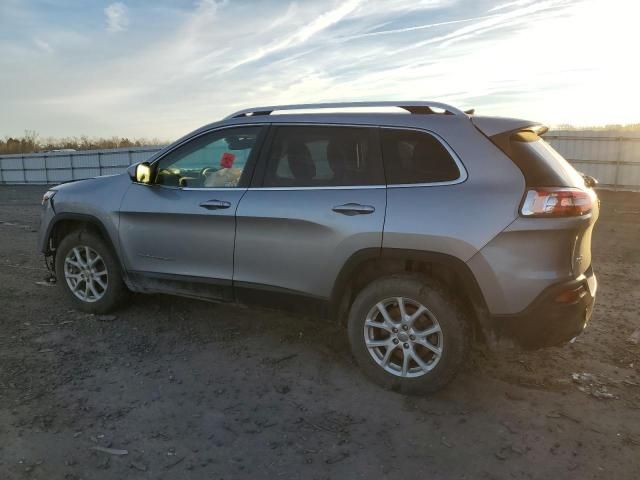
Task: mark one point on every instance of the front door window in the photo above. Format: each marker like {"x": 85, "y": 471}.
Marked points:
{"x": 214, "y": 160}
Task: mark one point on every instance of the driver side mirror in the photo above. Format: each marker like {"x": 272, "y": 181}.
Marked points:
{"x": 140, "y": 172}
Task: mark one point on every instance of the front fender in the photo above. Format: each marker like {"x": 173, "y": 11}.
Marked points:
{"x": 93, "y": 201}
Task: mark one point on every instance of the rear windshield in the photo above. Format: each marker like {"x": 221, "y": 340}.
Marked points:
{"x": 541, "y": 165}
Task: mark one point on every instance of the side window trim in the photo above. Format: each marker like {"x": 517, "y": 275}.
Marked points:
{"x": 251, "y": 161}
{"x": 260, "y": 171}
{"x": 259, "y": 158}
{"x": 462, "y": 171}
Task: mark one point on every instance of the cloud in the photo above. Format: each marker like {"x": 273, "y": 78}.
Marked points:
{"x": 418, "y": 27}
{"x": 210, "y": 5}
{"x": 303, "y": 34}
{"x": 515, "y": 3}
{"x": 117, "y": 17}
{"x": 42, "y": 45}
{"x": 192, "y": 62}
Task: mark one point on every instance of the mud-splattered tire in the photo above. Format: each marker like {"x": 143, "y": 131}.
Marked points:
{"x": 408, "y": 334}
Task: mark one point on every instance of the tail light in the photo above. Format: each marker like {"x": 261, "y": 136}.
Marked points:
{"x": 557, "y": 202}
{"x": 572, "y": 295}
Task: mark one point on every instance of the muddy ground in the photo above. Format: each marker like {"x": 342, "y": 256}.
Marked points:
{"x": 204, "y": 391}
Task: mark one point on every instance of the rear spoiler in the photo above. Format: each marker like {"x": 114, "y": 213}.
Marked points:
{"x": 492, "y": 126}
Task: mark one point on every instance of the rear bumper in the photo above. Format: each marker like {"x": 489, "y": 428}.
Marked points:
{"x": 548, "y": 322}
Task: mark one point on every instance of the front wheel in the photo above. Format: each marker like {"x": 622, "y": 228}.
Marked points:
{"x": 89, "y": 273}
{"x": 408, "y": 334}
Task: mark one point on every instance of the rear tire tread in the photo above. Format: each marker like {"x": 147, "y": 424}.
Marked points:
{"x": 450, "y": 315}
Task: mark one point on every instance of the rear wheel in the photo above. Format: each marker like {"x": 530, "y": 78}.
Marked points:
{"x": 89, "y": 273}
{"x": 408, "y": 334}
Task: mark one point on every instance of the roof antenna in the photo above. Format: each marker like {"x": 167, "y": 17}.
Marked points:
{"x": 471, "y": 111}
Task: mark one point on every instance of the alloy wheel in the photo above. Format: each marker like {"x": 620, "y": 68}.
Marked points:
{"x": 86, "y": 273}
{"x": 403, "y": 337}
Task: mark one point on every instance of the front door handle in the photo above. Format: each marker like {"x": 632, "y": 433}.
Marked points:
{"x": 215, "y": 204}
{"x": 353, "y": 209}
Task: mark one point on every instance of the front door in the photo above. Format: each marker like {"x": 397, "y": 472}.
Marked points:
{"x": 322, "y": 200}
{"x": 177, "y": 234}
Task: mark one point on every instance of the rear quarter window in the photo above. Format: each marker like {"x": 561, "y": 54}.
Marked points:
{"x": 539, "y": 162}
{"x": 412, "y": 157}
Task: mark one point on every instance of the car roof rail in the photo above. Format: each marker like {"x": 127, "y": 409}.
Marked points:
{"x": 420, "y": 107}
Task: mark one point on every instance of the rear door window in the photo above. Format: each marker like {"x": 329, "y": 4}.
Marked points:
{"x": 323, "y": 156}
{"x": 412, "y": 156}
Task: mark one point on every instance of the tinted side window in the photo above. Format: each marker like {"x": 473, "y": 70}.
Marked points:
{"x": 416, "y": 157}
{"x": 310, "y": 156}
{"x": 214, "y": 160}
{"x": 541, "y": 165}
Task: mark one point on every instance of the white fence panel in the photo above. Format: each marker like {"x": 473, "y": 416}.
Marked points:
{"x": 56, "y": 167}
{"x": 613, "y": 157}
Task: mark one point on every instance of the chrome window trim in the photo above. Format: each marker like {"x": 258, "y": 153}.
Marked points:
{"x": 463, "y": 175}
{"x": 220, "y": 189}
{"x": 461, "y": 168}
{"x": 335, "y": 187}
{"x": 462, "y": 171}
{"x": 339, "y": 187}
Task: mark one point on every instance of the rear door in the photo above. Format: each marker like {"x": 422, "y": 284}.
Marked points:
{"x": 178, "y": 233}
{"x": 321, "y": 200}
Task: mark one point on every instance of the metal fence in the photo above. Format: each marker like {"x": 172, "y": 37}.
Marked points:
{"x": 57, "y": 167}
{"x": 611, "y": 157}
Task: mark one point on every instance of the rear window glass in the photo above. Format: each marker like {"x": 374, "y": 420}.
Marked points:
{"x": 416, "y": 157}
{"x": 540, "y": 163}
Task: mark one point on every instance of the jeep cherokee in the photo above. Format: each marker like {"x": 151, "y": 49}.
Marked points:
{"x": 422, "y": 227}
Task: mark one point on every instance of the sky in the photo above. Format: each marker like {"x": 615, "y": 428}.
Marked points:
{"x": 161, "y": 68}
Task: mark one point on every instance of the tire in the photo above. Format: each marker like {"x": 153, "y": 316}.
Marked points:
{"x": 105, "y": 299}
{"x": 442, "y": 316}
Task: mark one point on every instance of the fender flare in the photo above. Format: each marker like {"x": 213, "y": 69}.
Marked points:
{"x": 459, "y": 267}
{"x": 85, "y": 218}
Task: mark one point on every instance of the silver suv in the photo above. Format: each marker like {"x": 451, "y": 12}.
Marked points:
{"x": 423, "y": 229}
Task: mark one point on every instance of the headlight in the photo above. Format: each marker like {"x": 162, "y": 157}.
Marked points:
{"x": 48, "y": 195}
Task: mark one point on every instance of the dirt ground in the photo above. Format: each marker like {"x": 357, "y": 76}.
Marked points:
{"x": 205, "y": 391}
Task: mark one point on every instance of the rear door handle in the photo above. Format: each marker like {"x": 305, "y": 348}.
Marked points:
{"x": 215, "y": 204}
{"x": 353, "y": 209}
